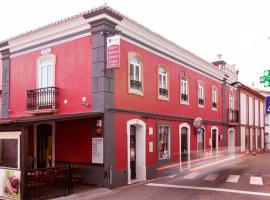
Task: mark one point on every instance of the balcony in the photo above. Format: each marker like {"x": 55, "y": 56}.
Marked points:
{"x": 137, "y": 85}
{"x": 184, "y": 97}
{"x": 42, "y": 100}
{"x": 163, "y": 92}
{"x": 233, "y": 116}
{"x": 201, "y": 101}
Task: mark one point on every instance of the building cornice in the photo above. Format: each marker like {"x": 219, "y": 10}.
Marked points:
{"x": 40, "y": 38}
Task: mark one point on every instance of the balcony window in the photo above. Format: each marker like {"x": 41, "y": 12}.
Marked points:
{"x": 200, "y": 94}
{"x": 184, "y": 90}
{"x": 231, "y": 100}
{"x": 162, "y": 83}
{"x": 214, "y": 98}
{"x": 135, "y": 74}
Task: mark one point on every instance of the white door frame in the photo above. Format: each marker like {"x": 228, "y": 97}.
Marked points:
{"x": 233, "y": 146}
{"x": 203, "y": 139}
{"x": 184, "y": 125}
{"x": 53, "y": 142}
{"x": 141, "y": 131}
{"x": 216, "y": 128}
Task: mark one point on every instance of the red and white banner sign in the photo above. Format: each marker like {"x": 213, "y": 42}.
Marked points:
{"x": 113, "y": 51}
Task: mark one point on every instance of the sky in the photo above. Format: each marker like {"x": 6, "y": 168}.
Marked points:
{"x": 237, "y": 29}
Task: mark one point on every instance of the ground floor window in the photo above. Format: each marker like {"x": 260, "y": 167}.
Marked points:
{"x": 9, "y": 149}
{"x": 164, "y": 142}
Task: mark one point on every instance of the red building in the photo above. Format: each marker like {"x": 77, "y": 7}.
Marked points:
{"x": 117, "y": 120}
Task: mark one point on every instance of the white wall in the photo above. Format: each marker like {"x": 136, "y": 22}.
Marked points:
{"x": 250, "y": 109}
{"x": 243, "y": 109}
{"x": 256, "y": 112}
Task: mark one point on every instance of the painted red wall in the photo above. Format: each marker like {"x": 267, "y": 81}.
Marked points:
{"x": 72, "y": 77}
{"x": 73, "y": 141}
{"x": 149, "y": 102}
{"x": 151, "y": 157}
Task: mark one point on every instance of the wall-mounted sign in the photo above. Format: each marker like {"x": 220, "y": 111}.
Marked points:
{"x": 46, "y": 51}
{"x": 10, "y": 183}
{"x": 151, "y": 147}
{"x": 113, "y": 51}
{"x": 97, "y": 150}
{"x": 150, "y": 130}
{"x": 267, "y": 104}
{"x": 197, "y": 123}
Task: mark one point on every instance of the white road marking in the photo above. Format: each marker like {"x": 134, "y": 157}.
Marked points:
{"x": 255, "y": 180}
{"x": 172, "y": 176}
{"x": 211, "y": 177}
{"x": 233, "y": 179}
{"x": 192, "y": 175}
{"x": 210, "y": 189}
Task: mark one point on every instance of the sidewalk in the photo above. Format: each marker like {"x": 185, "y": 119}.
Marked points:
{"x": 84, "y": 192}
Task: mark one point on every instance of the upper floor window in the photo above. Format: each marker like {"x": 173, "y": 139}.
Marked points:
{"x": 135, "y": 74}
{"x": 46, "y": 68}
{"x": 162, "y": 82}
{"x": 184, "y": 90}
{"x": 214, "y": 98}
{"x": 231, "y": 100}
{"x": 200, "y": 94}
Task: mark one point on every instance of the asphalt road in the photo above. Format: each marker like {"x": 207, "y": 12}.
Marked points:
{"x": 245, "y": 178}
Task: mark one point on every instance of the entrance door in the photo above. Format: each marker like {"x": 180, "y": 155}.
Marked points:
{"x": 200, "y": 139}
{"x": 184, "y": 144}
{"x": 136, "y": 147}
{"x": 214, "y": 139}
{"x": 44, "y": 146}
{"x": 133, "y": 151}
{"x": 247, "y": 140}
{"x": 231, "y": 142}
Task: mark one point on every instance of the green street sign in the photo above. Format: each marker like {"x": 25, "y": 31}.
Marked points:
{"x": 262, "y": 79}
{"x": 266, "y": 83}
{"x": 266, "y": 78}
{"x": 266, "y": 73}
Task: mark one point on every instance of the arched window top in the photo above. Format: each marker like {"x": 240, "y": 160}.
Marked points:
{"x": 135, "y": 60}
{"x": 162, "y": 71}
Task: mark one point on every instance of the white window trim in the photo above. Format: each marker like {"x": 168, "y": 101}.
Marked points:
{"x": 169, "y": 142}
{"x": 187, "y": 85}
{"x": 132, "y": 90}
{"x": 217, "y": 134}
{"x": 13, "y": 135}
{"x": 51, "y": 57}
{"x": 214, "y": 88}
{"x": 160, "y": 97}
{"x": 201, "y": 85}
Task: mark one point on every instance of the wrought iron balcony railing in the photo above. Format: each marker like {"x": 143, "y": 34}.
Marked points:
{"x": 233, "y": 116}
{"x": 42, "y": 99}
{"x": 184, "y": 97}
{"x": 137, "y": 85}
{"x": 163, "y": 92}
{"x": 201, "y": 101}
